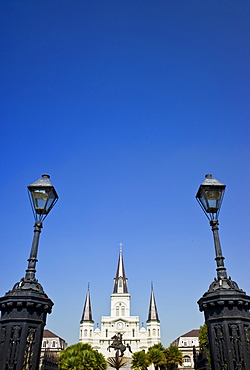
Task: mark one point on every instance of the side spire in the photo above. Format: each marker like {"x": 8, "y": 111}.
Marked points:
{"x": 152, "y": 313}
{"x": 87, "y": 312}
{"x": 120, "y": 281}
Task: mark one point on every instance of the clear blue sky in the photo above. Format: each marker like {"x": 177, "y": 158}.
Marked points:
{"x": 127, "y": 104}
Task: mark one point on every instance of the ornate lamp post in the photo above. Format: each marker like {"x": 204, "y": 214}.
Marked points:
{"x": 225, "y": 305}
{"x": 25, "y": 307}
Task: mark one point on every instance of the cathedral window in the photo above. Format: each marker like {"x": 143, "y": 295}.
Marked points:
{"x": 133, "y": 332}
{"x": 85, "y": 332}
{"x": 149, "y": 332}
{"x": 153, "y": 331}
{"x": 123, "y": 311}
{"x": 117, "y": 310}
{"x": 90, "y": 333}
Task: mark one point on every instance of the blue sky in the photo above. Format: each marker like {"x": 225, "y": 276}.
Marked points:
{"x": 127, "y": 105}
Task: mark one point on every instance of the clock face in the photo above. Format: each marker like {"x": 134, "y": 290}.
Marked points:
{"x": 119, "y": 325}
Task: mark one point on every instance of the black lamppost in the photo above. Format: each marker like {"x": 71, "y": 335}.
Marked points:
{"x": 225, "y": 305}
{"x": 25, "y": 307}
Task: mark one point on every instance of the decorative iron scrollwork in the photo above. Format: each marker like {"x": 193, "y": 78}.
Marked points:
{"x": 28, "y": 355}
{"x": 13, "y": 347}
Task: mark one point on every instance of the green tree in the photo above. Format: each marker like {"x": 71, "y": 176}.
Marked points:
{"x": 173, "y": 357}
{"x": 139, "y": 361}
{"x": 81, "y": 356}
{"x": 203, "y": 342}
{"x": 156, "y": 356}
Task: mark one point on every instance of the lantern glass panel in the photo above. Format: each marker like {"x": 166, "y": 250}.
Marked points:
{"x": 43, "y": 200}
{"x": 211, "y": 198}
{"x": 39, "y": 198}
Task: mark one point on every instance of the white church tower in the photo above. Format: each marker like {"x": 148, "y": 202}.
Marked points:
{"x": 120, "y": 320}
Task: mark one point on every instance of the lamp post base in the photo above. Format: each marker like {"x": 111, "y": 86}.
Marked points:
{"x": 24, "y": 311}
{"x": 226, "y": 310}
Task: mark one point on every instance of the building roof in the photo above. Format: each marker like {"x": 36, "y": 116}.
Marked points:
{"x": 192, "y": 333}
{"x": 48, "y": 334}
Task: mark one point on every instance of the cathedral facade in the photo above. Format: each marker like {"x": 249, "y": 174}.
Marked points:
{"x": 120, "y": 322}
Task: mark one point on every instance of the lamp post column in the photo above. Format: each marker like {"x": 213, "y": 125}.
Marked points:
{"x": 221, "y": 270}
{"x": 30, "y": 272}
{"x": 24, "y": 308}
{"x": 225, "y": 305}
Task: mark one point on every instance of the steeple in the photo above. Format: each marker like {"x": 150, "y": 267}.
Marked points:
{"x": 87, "y": 312}
{"x": 152, "y": 313}
{"x": 120, "y": 281}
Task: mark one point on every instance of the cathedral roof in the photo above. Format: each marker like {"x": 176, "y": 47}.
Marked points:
{"x": 152, "y": 313}
{"x": 87, "y": 312}
{"x": 120, "y": 281}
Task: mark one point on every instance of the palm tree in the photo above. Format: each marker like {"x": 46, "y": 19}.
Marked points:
{"x": 159, "y": 346}
{"x": 116, "y": 362}
{"x": 81, "y": 356}
{"x": 139, "y": 361}
{"x": 156, "y": 356}
{"x": 173, "y": 357}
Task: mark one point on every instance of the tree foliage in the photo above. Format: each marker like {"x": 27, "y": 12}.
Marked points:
{"x": 173, "y": 357}
{"x": 81, "y": 356}
{"x": 156, "y": 356}
{"x": 139, "y": 361}
{"x": 162, "y": 358}
{"x": 203, "y": 342}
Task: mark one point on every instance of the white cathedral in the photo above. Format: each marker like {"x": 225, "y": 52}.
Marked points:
{"x": 120, "y": 321}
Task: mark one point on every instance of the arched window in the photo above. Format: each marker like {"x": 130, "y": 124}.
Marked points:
{"x": 133, "y": 332}
{"x": 153, "y": 331}
{"x": 187, "y": 360}
{"x": 149, "y": 332}
{"x": 106, "y": 333}
{"x": 117, "y": 310}
{"x": 85, "y": 332}
{"x": 123, "y": 311}
{"x": 44, "y": 344}
{"x": 90, "y": 333}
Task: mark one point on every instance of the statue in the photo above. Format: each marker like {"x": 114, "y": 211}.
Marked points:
{"x": 118, "y": 345}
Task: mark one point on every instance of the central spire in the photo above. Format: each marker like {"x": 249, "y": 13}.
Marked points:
{"x": 120, "y": 281}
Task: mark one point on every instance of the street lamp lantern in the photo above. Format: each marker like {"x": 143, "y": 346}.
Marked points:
{"x": 225, "y": 305}
{"x": 43, "y": 197}
{"x": 210, "y": 195}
